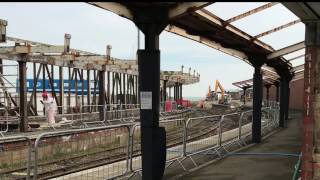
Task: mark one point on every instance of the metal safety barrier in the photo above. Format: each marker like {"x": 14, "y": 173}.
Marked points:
{"x": 113, "y": 151}
{"x": 15, "y": 157}
{"x": 6, "y": 120}
{"x": 97, "y": 153}
{"x": 220, "y": 134}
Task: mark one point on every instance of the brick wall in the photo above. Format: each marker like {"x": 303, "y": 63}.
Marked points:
{"x": 296, "y": 94}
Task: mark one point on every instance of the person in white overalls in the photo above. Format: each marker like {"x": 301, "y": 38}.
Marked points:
{"x": 50, "y": 107}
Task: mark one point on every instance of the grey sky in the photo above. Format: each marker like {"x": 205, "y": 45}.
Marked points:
{"x": 93, "y": 28}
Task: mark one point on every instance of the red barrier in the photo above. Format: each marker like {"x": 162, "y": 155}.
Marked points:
{"x": 184, "y": 103}
{"x": 168, "y": 106}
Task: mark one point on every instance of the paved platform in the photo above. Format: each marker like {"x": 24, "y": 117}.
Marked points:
{"x": 259, "y": 167}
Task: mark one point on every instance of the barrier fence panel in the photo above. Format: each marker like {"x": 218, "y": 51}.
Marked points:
{"x": 15, "y": 157}
{"x": 229, "y": 128}
{"x": 201, "y": 135}
{"x": 6, "y": 121}
{"x": 135, "y": 150}
{"x": 245, "y": 122}
{"x": 175, "y": 130}
{"x": 93, "y": 153}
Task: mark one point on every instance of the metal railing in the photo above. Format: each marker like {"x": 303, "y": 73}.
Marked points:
{"x": 84, "y": 116}
{"x": 220, "y": 134}
{"x": 112, "y": 151}
{"x": 92, "y": 156}
{"x": 6, "y": 120}
{"x": 15, "y": 160}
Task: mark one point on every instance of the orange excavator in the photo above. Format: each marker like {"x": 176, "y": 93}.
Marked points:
{"x": 215, "y": 97}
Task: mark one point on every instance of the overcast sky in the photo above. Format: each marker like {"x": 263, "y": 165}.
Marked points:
{"x": 93, "y": 28}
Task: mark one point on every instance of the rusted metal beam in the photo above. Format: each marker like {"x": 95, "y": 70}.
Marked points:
{"x": 34, "y": 43}
{"x": 181, "y": 32}
{"x": 68, "y": 61}
{"x": 286, "y": 50}
{"x": 277, "y": 29}
{"x": 114, "y": 7}
{"x": 185, "y": 7}
{"x": 215, "y": 20}
{"x": 253, "y": 11}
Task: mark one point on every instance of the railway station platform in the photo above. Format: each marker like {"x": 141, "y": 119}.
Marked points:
{"x": 275, "y": 158}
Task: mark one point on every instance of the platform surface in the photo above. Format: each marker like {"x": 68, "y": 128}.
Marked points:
{"x": 260, "y": 167}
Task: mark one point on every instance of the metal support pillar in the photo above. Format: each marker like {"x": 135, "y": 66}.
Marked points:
{"x": 287, "y": 101}
{"x": 69, "y": 90}
{"x": 88, "y": 91}
{"x": 257, "y": 100}
{"x": 180, "y": 96}
{"x": 137, "y": 96}
{"x": 102, "y": 93}
{"x": 153, "y": 137}
{"x": 76, "y": 86}
{"x": 277, "y": 91}
{"x": 124, "y": 89}
{"x": 117, "y": 87}
{"x": 35, "y": 77}
{"x": 43, "y": 84}
{"x": 244, "y": 95}
{"x": 61, "y": 87}
{"x": 1, "y": 66}
{"x": 23, "y": 96}
{"x": 113, "y": 83}
{"x": 82, "y": 89}
{"x": 108, "y": 89}
{"x": 267, "y": 94}
{"x": 164, "y": 90}
{"x": 283, "y": 101}
{"x": 174, "y": 92}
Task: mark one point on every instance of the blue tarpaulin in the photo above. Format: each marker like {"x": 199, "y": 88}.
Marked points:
{"x": 56, "y": 85}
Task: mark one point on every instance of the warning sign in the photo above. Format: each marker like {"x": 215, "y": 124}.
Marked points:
{"x": 146, "y": 99}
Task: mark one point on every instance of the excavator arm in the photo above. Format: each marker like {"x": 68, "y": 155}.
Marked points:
{"x": 221, "y": 89}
